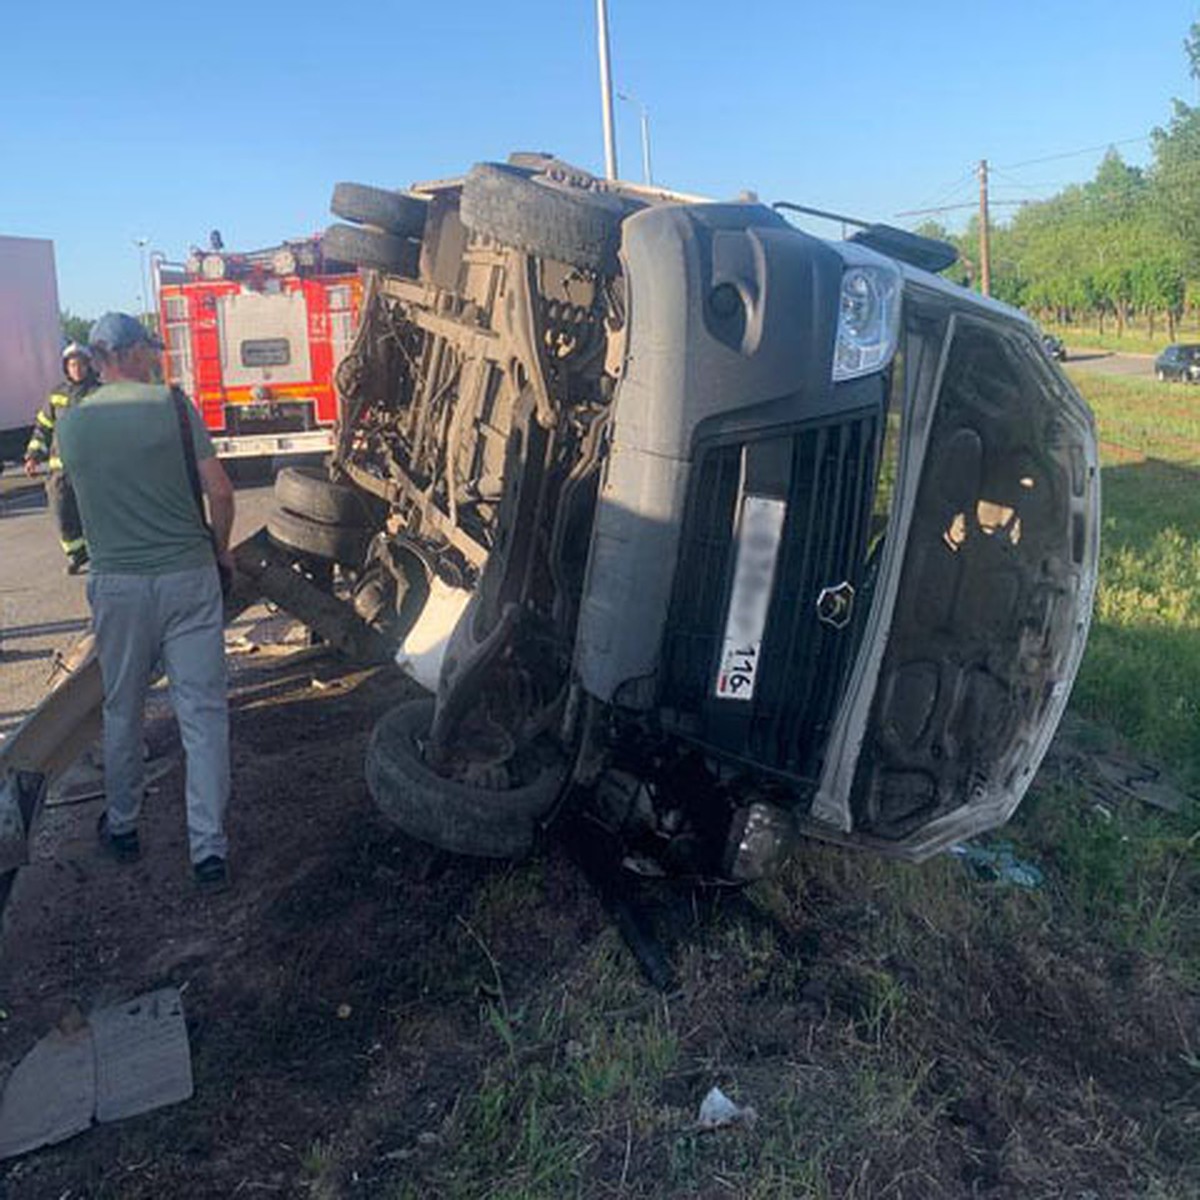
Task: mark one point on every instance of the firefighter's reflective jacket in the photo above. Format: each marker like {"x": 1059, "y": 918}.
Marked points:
{"x": 42, "y": 447}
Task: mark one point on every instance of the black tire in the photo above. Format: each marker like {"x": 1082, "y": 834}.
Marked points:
{"x": 543, "y": 217}
{"x": 308, "y": 492}
{"x": 481, "y": 822}
{"x": 393, "y": 212}
{"x": 370, "y": 248}
{"x": 345, "y": 544}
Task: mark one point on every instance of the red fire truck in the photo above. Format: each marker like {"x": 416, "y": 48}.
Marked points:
{"x": 254, "y": 339}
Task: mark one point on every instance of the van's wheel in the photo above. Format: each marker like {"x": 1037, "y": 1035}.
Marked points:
{"x": 393, "y": 212}
{"x": 309, "y": 492}
{"x": 549, "y": 217}
{"x": 479, "y": 821}
{"x": 372, "y": 248}
{"x": 345, "y": 544}
{"x": 1161, "y": 375}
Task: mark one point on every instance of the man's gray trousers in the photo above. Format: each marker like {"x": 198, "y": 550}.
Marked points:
{"x": 178, "y": 617}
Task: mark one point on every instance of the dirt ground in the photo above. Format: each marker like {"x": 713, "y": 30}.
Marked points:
{"x": 298, "y": 982}
{"x": 367, "y": 1017}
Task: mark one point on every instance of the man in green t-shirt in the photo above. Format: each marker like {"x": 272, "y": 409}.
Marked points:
{"x": 154, "y": 587}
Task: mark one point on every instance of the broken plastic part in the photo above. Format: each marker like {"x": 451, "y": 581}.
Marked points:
{"x": 760, "y": 837}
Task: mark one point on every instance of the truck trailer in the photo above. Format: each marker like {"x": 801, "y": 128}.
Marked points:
{"x": 30, "y": 338}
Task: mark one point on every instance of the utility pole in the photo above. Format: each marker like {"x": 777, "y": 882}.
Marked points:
{"x": 985, "y": 257}
{"x": 606, "y": 103}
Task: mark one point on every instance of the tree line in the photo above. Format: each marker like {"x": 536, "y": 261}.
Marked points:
{"x": 1126, "y": 244}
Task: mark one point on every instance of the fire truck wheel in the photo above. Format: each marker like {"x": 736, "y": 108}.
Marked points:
{"x": 308, "y": 492}
{"x": 372, "y": 248}
{"x": 544, "y": 216}
{"x": 345, "y": 544}
{"x": 483, "y": 822}
{"x": 393, "y": 212}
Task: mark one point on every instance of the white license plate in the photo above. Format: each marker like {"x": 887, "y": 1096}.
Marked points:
{"x": 759, "y": 533}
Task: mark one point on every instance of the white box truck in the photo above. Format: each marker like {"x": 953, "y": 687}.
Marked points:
{"x": 30, "y": 338}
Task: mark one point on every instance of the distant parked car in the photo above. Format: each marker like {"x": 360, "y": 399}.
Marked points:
{"x": 1180, "y": 363}
{"x": 1054, "y": 347}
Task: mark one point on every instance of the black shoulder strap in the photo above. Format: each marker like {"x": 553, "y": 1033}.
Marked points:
{"x": 181, "y": 403}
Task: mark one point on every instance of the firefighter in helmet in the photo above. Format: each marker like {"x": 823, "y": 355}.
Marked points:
{"x": 79, "y": 378}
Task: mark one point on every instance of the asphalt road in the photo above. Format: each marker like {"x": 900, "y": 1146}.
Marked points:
{"x": 43, "y": 611}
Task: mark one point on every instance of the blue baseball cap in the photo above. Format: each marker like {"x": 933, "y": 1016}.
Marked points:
{"x": 118, "y": 331}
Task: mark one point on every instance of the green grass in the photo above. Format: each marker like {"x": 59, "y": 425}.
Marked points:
{"x": 1141, "y": 674}
{"x": 901, "y": 1030}
{"x": 1138, "y": 417}
{"x": 886, "y": 1020}
{"x": 1129, "y": 871}
{"x": 1136, "y": 338}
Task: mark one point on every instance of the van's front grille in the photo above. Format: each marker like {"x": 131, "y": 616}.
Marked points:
{"x": 825, "y": 474}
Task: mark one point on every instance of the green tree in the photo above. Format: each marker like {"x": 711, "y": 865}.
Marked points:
{"x": 1176, "y": 171}
{"x": 74, "y": 329}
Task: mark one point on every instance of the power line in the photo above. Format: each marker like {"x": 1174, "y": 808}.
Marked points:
{"x": 1033, "y": 162}
{"x": 921, "y": 212}
{"x": 941, "y": 195}
{"x": 1062, "y": 205}
{"x": 1025, "y": 187}
{"x": 938, "y": 207}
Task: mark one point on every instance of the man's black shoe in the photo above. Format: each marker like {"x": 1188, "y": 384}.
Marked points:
{"x": 77, "y": 564}
{"x": 124, "y": 847}
{"x": 211, "y": 874}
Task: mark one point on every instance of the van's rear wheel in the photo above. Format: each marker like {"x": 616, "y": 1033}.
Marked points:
{"x": 478, "y": 821}
{"x": 345, "y": 544}
{"x": 393, "y": 212}
{"x": 544, "y": 216}
{"x": 309, "y": 492}
{"x": 371, "y": 248}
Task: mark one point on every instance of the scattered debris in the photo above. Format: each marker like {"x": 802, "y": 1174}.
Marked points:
{"x": 51, "y": 1095}
{"x": 717, "y": 1111}
{"x": 129, "y": 1058}
{"x": 996, "y": 864}
{"x": 85, "y": 780}
{"x": 1141, "y": 781}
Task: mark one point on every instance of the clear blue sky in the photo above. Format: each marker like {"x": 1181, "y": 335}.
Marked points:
{"x": 167, "y": 120}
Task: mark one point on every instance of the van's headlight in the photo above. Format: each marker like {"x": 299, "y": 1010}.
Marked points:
{"x": 868, "y": 320}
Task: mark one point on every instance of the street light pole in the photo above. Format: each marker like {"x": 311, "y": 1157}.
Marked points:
{"x": 630, "y": 98}
{"x": 141, "y": 243}
{"x": 606, "y": 105}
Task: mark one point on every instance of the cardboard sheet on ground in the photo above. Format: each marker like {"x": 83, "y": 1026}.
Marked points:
{"x": 129, "y": 1058}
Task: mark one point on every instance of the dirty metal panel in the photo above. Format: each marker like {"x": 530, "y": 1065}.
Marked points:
{"x": 51, "y": 1095}
{"x": 143, "y": 1061}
